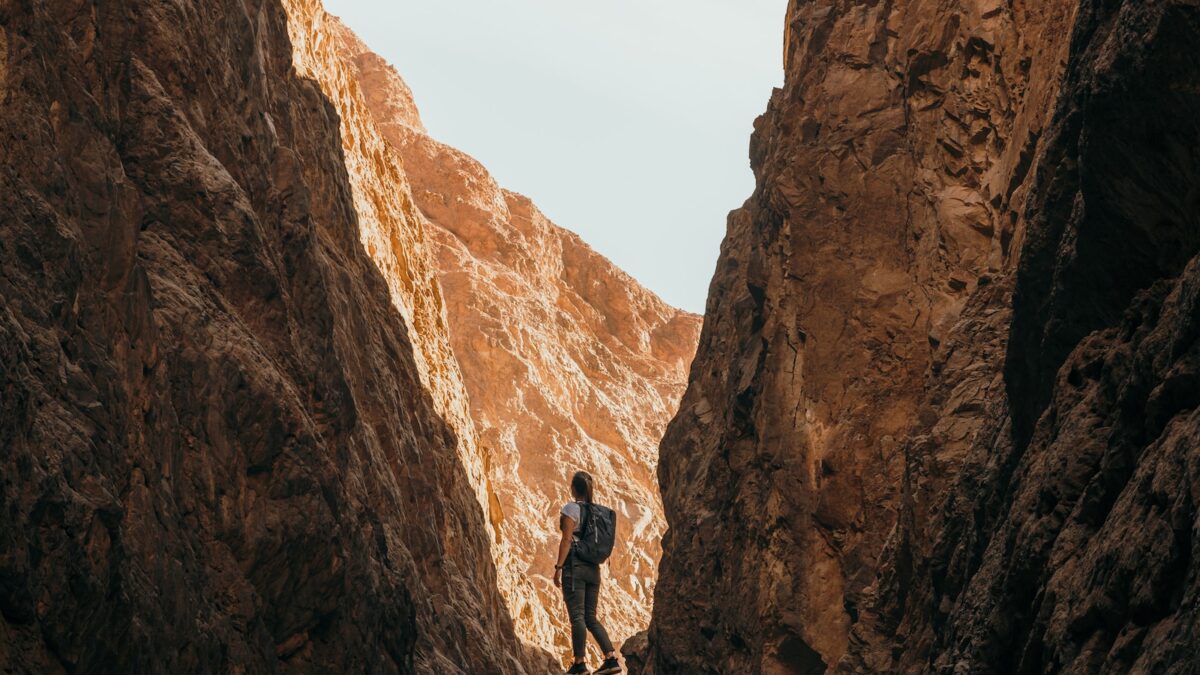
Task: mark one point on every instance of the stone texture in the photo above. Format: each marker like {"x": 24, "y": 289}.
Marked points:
{"x": 569, "y": 364}
{"x": 233, "y": 435}
{"x": 1068, "y": 541}
{"x": 391, "y": 229}
{"x": 943, "y": 412}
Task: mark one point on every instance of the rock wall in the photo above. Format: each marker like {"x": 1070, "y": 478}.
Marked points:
{"x": 943, "y": 412}
{"x": 391, "y": 229}
{"x": 1068, "y": 540}
{"x": 569, "y": 363}
{"x": 231, "y": 429}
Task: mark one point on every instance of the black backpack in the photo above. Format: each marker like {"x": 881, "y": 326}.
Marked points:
{"x": 598, "y": 534}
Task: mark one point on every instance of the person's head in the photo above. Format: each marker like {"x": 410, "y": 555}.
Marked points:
{"x": 581, "y": 486}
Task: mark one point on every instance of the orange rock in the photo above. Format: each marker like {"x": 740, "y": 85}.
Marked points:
{"x": 569, "y": 364}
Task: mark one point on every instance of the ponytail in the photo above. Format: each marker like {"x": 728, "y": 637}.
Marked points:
{"x": 581, "y": 486}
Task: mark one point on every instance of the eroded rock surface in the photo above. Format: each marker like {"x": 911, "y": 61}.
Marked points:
{"x": 569, "y": 364}
{"x": 943, "y": 413}
{"x": 231, "y": 432}
{"x": 1068, "y": 541}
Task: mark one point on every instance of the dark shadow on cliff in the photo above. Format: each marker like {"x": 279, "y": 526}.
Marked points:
{"x": 1119, "y": 211}
{"x": 217, "y": 452}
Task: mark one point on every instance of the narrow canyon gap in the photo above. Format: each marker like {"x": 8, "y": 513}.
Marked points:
{"x": 943, "y": 416}
{"x": 286, "y": 385}
{"x": 569, "y": 364}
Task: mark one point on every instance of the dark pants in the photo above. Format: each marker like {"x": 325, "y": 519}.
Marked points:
{"x": 581, "y": 589}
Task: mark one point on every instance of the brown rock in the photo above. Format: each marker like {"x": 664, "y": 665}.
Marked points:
{"x": 232, "y": 439}
{"x": 1067, "y": 541}
{"x": 844, "y": 484}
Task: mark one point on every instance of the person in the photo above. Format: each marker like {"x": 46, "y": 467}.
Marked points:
{"x": 580, "y": 581}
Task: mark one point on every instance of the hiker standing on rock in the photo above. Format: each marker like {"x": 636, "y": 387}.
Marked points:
{"x": 588, "y": 533}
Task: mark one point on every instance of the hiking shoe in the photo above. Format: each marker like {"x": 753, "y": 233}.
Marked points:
{"x": 609, "y": 667}
{"x": 578, "y": 669}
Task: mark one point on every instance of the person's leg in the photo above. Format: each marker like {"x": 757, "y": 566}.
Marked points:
{"x": 574, "y": 594}
{"x": 590, "y": 599}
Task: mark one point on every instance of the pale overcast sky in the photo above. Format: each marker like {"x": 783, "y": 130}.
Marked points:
{"x": 627, "y": 121}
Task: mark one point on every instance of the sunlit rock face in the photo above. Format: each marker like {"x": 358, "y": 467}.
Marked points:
{"x": 943, "y": 416}
{"x": 569, "y": 363}
{"x": 233, "y": 435}
{"x": 390, "y": 227}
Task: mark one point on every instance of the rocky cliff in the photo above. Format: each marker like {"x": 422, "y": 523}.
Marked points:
{"x": 570, "y": 364}
{"x": 943, "y": 416}
{"x": 232, "y": 432}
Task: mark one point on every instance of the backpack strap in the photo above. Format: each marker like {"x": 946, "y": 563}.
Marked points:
{"x": 582, "y": 530}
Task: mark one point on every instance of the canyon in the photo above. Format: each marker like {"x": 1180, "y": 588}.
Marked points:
{"x": 288, "y": 385}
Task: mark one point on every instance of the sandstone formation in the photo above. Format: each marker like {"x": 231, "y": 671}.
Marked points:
{"x": 943, "y": 416}
{"x": 569, "y": 364}
{"x": 232, "y": 432}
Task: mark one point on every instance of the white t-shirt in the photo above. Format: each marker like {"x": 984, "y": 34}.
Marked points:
{"x": 574, "y": 512}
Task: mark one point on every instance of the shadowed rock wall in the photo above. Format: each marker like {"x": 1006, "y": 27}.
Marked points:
{"x": 1068, "y": 541}
{"x": 845, "y": 484}
{"x": 228, "y": 441}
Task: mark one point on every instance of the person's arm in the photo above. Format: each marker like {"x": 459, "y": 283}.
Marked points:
{"x": 566, "y": 525}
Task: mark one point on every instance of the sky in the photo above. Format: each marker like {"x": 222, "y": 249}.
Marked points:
{"x": 625, "y": 121}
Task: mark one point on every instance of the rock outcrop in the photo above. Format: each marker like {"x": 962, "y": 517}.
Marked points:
{"x": 1068, "y": 541}
{"x": 233, "y": 436}
{"x": 943, "y": 416}
{"x": 569, "y": 364}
